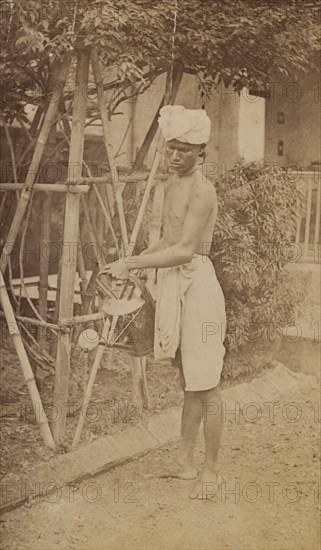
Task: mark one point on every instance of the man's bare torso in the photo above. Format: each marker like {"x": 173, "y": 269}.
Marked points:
{"x": 179, "y": 192}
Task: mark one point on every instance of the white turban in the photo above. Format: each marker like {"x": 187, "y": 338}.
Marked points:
{"x": 186, "y": 125}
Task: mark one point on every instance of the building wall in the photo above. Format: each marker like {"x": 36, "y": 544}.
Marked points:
{"x": 251, "y": 130}
{"x": 297, "y": 101}
{"x": 222, "y": 107}
{"x": 243, "y": 125}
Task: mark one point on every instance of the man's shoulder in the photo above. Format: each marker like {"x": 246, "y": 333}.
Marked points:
{"x": 203, "y": 188}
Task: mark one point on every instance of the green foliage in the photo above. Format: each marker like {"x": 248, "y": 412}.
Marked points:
{"x": 242, "y": 43}
{"x": 253, "y": 241}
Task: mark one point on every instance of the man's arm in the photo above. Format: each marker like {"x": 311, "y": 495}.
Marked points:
{"x": 154, "y": 247}
{"x": 199, "y": 210}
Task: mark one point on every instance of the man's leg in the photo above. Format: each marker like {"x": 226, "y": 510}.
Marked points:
{"x": 191, "y": 419}
{"x": 211, "y": 413}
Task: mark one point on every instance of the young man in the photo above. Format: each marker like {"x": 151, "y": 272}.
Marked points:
{"x": 190, "y": 311}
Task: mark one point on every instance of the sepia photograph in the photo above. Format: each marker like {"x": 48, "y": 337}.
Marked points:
{"x": 160, "y": 282}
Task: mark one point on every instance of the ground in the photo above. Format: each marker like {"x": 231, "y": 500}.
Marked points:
{"x": 111, "y": 408}
{"x": 268, "y": 499}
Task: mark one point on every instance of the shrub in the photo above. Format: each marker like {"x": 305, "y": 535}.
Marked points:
{"x": 253, "y": 241}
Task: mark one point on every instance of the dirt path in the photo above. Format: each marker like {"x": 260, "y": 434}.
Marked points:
{"x": 269, "y": 499}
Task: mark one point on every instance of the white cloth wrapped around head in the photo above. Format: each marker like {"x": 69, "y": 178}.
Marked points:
{"x": 186, "y": 125}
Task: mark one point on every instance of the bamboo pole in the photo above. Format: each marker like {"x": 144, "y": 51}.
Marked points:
{"x": 47, "y": 187}
{"x": 100, "y": 216}
{"x": 90, "y": 291}
{"x": 140, "y": 157}
{"x": 91, "y": 230}
{"x": 11, "y": 148}
{"x": 81, "y": 270}
{"x": 3, "y": 203}
{"x": 108, "y": 144}
{"x": 35, "y": 322}
{"x": 103, "y": 189}
{"x": 70, "y": 241}
{"x": 308, "y": 218}
{"x": 40, "y": 414}
{"x": 104, "y": 340}
{"x": 317, "y": 213}
{"x": 81, "y": 319}
{"x": 107, "y": 218}
{"x": 53, "y": 343}
{"x": 139, "y": 381}
{"x": 44, "y": 263}
{"x": 156, "y": 161}
{"x": 111, "y": 160}
{"x": 61, "y": 76}
{"x": 36, "y": 120}
{"x": 140, "y": 395}
{"x": 148, "y": 187}
{"x": 45, "y": 242}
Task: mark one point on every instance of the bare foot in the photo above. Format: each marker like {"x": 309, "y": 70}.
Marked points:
{"x": 207, "y": 485}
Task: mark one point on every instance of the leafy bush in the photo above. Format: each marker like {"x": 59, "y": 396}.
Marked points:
{"x": 253, "y": 241}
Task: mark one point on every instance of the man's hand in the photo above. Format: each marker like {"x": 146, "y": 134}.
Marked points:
{"x": 118, "y": 270}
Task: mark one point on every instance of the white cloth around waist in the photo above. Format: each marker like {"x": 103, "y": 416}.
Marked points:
{"x": 190, "y": 314}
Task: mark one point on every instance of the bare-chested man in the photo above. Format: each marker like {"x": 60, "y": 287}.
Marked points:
{"x": 190, "y": 311}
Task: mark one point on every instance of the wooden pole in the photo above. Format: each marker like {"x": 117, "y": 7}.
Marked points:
{"x": 108, "y": 144}
{"x": 40, "y": 414}
{"x": 60, "y": 79}
{"x": 177, "y": 78}
{"x": 53, "y": 342}
{"x": 45, "y": 222}
{"x": 35, "y": 322}
{"x": 36, "y": 120}
{"x": 156, "y": 160}
{"x": 105, "y": 338}
{"x": 140, "y": 395}
{"x": 46, "y": 187}
{"x": 140, "y": 157}
{"x": 70, "y": 243}
{"x": 81, "y": 270}
{"x": 91, "y": 231}
{"x": 44, "y": 262}
{"x": 139, "y": 381}
{"x": 107, "y": 218}
{"x": 143, "y": 204}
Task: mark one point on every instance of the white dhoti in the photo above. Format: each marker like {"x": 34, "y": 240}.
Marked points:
{"x": 190, "y": 315}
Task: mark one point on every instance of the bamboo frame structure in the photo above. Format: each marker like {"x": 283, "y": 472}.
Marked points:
{"x": 40, "y": 414}
{"x": 61, "y": 77}
{"x": 108, "y": 144}
{"x": 75, "y": 189}
{"x": 70, "y": 239}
